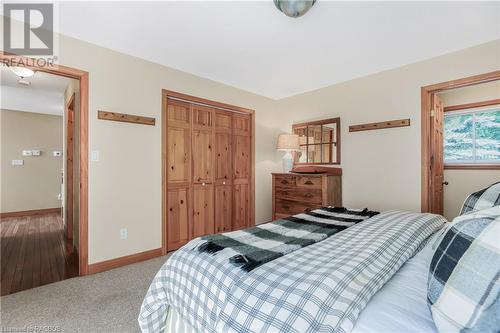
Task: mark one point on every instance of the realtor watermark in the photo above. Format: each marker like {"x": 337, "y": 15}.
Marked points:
{"x": 32, "y": 328}
{"x": 28, "y": 30}
{"x": 36, "y": 36}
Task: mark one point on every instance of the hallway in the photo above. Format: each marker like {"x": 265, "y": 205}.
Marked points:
{"x": 34, "y": 252}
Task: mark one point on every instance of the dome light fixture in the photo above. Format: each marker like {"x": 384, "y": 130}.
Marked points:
{"x": 22, "y": 72}
{"x": 294, "y": 8}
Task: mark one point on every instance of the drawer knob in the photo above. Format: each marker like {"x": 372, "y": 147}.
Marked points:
{"x": 308, "y": 182}
{"x": 284, "y": 181}
{"x": 286, "y": 206}
{"x": 308, "y": 195}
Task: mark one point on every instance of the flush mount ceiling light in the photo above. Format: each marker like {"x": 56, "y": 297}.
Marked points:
{"x": 22, "y": 72}
{"x": 294, "y": 8}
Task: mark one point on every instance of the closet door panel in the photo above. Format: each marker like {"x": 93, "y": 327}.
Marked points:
{"x": 241, "y": 204}
{"x": 203, "y": 117}
{"x": 223, "y": 121}
{"x": 241, "y": 125}
{"x": 178, "y": 155}
{"x": 242, "y": 148}
{"x": 223, "y": 208}
{"x": 223, "y": 160}
{"x": 203, "y": 156}
{"x": 203, "y": 210}
{"x": 179, "y": 114}
{"x": 178, "y": 221}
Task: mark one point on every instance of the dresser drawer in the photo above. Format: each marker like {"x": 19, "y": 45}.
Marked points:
{"x": 290, "y": 207}
{"x": 309, "y": 182}
{"x": 285, "y": 181}
{"x": 303, "y": 194}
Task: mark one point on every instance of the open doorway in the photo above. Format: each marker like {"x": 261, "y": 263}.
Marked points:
{"x": 460, "y": 141}
{"x": 39, "y": 204}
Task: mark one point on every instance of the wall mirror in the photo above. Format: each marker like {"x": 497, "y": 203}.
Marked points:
{"x": 319, "y": 142}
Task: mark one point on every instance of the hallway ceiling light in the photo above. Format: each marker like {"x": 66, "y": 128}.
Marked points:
{"x": 294, "y": 8}
{"x": 22, "y": 72}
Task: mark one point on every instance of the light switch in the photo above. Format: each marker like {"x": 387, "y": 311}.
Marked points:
{"x": 27, "y": 153}
{"x": 17, "y": 162}
{"x": 94, "y": 155}
{"x": 36, "y": 152}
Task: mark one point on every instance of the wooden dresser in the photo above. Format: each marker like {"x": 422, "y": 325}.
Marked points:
{"x": 294, "y": 193}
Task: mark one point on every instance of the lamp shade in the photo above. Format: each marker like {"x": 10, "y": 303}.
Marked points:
{"x": 288, "y": 142}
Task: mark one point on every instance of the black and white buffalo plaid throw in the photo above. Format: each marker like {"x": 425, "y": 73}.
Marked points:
{"x": 249, "y": 248}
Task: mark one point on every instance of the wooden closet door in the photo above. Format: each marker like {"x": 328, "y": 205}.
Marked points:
{"x": 241, "y": 176}
{"x": 178, "y": 140}
{"x": 203, "y": 145}
{"x": 223, "y": 171}
{"x": 178, "y": 219}
{"x": 223, "y": 208}
{"x": 203, "y": 210}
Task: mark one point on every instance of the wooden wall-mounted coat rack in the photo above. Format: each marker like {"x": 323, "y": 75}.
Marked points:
{"x": 126, "y": 118}
{"x": 380, "y": 125}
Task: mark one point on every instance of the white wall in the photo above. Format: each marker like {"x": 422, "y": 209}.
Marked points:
{"x": 382, "y": 168}
{"x": 37, "y": 183}
{"x": 125, "y": 185}
{"x": 461, "y": 183}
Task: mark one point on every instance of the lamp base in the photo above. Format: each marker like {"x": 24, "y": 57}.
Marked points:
{"x": 287, "y": 162}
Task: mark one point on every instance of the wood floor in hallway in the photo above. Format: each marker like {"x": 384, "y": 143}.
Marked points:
{"x": 34, "y": 252}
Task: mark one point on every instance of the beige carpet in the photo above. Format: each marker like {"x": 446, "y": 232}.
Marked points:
{"x": 104, "y": 302}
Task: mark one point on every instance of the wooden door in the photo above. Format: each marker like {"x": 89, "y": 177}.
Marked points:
{"x": 70, "y": 146}
{"x": 178, "y": 165}
{"x": 437, "y": 163}
{"x": 203, "y": 156}
{"x": 241, "y": 211}
{"x": 241, "y": 170}
{"x": 223, "y": 208}
{"x": 223, "y": 171}
{"x": 178, "y": 220}
{"x": 223, "y": 148}
{"x": 203, "y": 210}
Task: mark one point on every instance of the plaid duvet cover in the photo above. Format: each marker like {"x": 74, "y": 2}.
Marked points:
{"x": 319, "y": 288}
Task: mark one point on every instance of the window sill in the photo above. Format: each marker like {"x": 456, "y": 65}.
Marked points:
{"x": 472, "y": 166}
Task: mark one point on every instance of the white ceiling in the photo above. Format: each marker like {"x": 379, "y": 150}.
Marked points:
{"x": 252, "y": 46}
{"x": 44, "y": 95}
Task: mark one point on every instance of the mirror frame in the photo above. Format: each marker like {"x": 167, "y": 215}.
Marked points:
{"x": 337, "y": 138}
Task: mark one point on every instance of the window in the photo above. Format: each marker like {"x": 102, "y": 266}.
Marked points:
{"x": 472, "y": 137}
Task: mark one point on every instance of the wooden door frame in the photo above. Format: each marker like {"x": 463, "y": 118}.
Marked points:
{"x": 164, "y": 125}
{"x": 67, "y": 184}
{"x": 426, "y": 93}
{"x": 83, "y": 78}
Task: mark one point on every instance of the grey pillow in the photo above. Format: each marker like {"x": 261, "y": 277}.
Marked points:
{"x": 483, "y": 199}
{"x": 463, "y": 286}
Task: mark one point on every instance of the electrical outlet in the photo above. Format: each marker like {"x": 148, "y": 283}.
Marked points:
{"x": 123, "y": 233}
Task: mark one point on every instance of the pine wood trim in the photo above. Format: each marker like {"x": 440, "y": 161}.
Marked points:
{"x": 380, "y": 125}
{"x": 83, "y": 78}
{"x": 170, "y": 93}
{"x": 426, "y": 93}
{"x": 33, "y": 212}
{"x": 472, "y": 105}
{"x": 472, "y": 166}
{"x": 123, "y": 261}
{"x": 125, "y": 118}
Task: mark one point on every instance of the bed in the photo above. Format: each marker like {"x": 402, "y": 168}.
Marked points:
{"x": 351, "y": 281}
